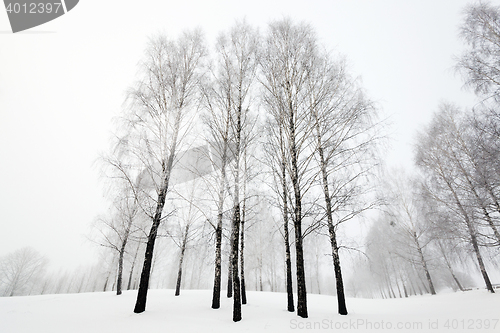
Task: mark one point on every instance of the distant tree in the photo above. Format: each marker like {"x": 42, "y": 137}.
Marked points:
{"x": 381, "y": 252}
{"x": 446, "y": 258}
{"x": 117, "y": 229}
{"x": 188, "y": 227}
{"x": 408, "y": 219}
{"x": 440, "y": 158}
{"x": 20, "y": 271}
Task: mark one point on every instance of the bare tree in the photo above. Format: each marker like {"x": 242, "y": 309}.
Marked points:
{"x": 20, "y": 271}
{"x": 139, "y": 242}
{"x": 408, "y": 219}
{"x": 480, "y": 63}
{"x": 446, "y": 258}
{"x": 228, "y": 100}
{"x": 276, "y": 159}
{"x": 217, "y": 121}
{"x": 188, "y": 227}
{"x": 438, "y": 159}
{"x": 119, "y": 227}
{"x": 286, "y": 65}
{"x": 480, "y": 146}
{"x": 394, "y": 262}
{"x": 161, "y": 107}
{"x": 250, "y": 170}
{"x": 344, "y": 137}
{"x": 480, "y": 66}
{"x": 239, "y": 50}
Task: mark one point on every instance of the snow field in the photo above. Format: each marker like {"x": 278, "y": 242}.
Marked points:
{"x": 473, "y": 311}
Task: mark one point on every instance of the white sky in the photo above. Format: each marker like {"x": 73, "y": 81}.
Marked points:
{"x": 61, "y": 83}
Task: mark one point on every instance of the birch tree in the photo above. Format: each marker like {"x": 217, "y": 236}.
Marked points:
{"x": 161, "y": 106}
{"x": 239, "y": 50}
{"x": 286, "y": 62}
{"x": 119, "y": 227}
{"x": 436, "y": 156}
{"x": 407, "y": 214}
{"x": 187, "y": 229}
{"x": 229, "y": 100}
{"x": 217, "y": 122}
{"x": 276, "y": 159}
{"x": 344, "y": 137}
{"x": 480, "y": 63}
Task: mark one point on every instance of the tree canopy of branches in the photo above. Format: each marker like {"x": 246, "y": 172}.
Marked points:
{"x": 480, "y": 63}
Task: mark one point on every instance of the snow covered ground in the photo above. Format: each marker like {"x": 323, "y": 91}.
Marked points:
{"x": 472, "y": 311}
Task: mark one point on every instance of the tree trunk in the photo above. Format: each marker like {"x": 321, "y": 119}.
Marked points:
{"x": 301, "y": 276}
{"x": 382, "y": 293}
{"x": 120, "y": 268}
{"x": 261, "y": 285}
{"x": 399, "y": 289}
{"x": 424, "y": 264}
{"x": 342, "y": 308}
{"x": 234, "y": 260}
{"x": 491, "y": 224}
{"x": 105, "y": 282}
{"x": 235, "y": 235}
{"x": 140, "y": 305}
{"x": 448, "y": 264}
{"x": 405, "y": 290}
{"x": 480, "y": 201}
{"x": 242, "y": 248}
{"x": 473, "y": 238}
{"x": 456, "y": 280}
{"x": 122, "y": 253}
{"x": 129, "y": 284}
{"x": 218, "y": 230}
{"x": 218, "y": 266}
{"x": 181, "y": 259}
{"x": 289, "y": 285}
{"x": 480, "y": 260}
{"x": 230, "y": 270}
{"x": 472, "y": 234}
{"x": 390, "y": 290}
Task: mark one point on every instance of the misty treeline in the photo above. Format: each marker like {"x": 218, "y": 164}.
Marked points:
{"x": 28, "y": 272}
{"x": 441, "y": 225}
